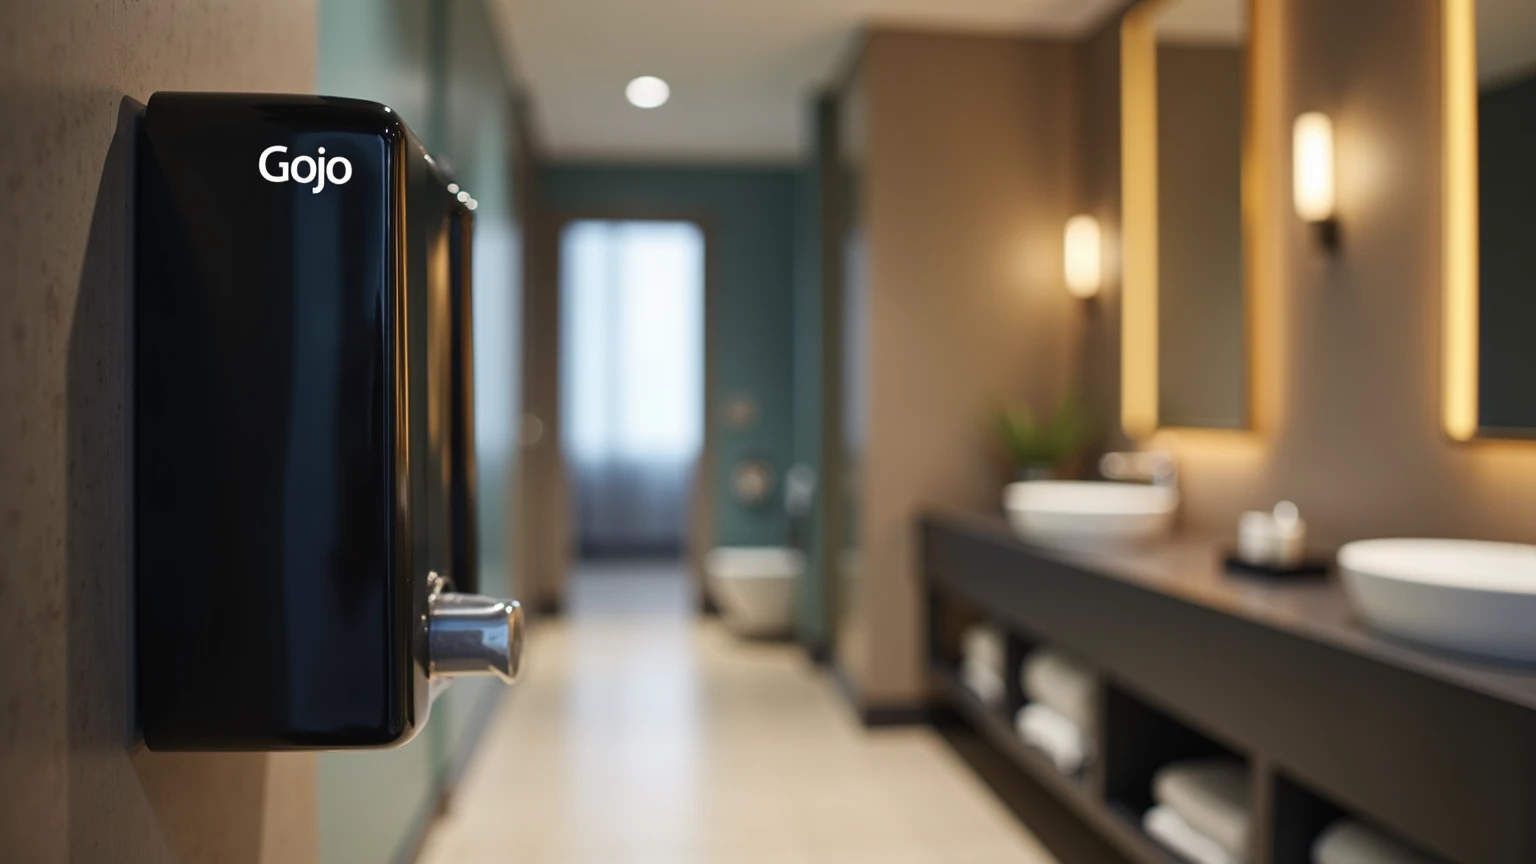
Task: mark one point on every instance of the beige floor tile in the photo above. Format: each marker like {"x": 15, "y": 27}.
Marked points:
{"x": 640, "y": 735}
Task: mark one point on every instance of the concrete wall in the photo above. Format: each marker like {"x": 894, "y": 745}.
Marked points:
{"x": 1350, "y": 366}
{"x": 969, "y": 175}
{"x": 75, "y": 786}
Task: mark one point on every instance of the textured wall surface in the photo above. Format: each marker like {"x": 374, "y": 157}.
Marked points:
{"x": 1350, "y": 365}
{"x": 1098, "y": 65}
{"x": 72, "y": 785}
{"x": 969, "y": 175}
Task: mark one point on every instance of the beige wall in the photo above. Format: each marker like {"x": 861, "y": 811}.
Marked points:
{"x": 1351, "y": 370}
{"x": 71, "y": 787}
{"x": 965, "y": 195}
{"x": 970, "y": 163}
{"x": 1098, "y": 59}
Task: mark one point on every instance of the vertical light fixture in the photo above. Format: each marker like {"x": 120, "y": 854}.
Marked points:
{"x": 1134, "y": 249}
{"x": 1459, "y": 315}
{"x": 1313, "y": 181}
{"x": 1138, "y": 222}
{"x": 1081, "y": 256}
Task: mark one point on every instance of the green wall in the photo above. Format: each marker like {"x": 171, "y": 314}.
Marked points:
{"x": 476, "y": 134}
{"x": 811, "y": 382}
{"x": 749, "y": 217}
{"x": 379, "y": 51}
{"x": 373, "y": 805}
{"x": 805, "y": 442}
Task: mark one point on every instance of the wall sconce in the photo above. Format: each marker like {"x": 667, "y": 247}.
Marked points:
{"x": 1080, "y": 256}
{"x": 1312, "y": 157}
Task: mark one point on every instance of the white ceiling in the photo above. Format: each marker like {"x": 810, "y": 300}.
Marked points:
{"x": 1216, "y": 22}
{"x": 740, "y": 70}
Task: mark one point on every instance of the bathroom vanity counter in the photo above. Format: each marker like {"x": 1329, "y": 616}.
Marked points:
{"x": 1312, "y": 608}
{"x": 1438, "y": 748}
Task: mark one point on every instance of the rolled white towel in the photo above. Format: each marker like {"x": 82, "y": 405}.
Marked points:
{"x": 1062, "y": 682}
{"x": 1171, "y": 830}
{"x": 984, "y": 681}
{"x": 1047, "y": 730}
{"x": 984, "y": 644}
{"x": 1349, "y": 842}
{"x": 1213, "y": 795}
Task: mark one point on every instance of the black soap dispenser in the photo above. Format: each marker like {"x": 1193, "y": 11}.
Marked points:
{"x": 303, "y": 441}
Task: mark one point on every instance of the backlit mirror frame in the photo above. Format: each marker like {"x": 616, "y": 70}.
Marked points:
{"x": 1460, "y": 337}
{"x": 1139, "y": 373}
{"x": 1459, "y": 316}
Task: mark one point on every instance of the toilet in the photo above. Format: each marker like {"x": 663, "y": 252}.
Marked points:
{"x": 754, "y": 586}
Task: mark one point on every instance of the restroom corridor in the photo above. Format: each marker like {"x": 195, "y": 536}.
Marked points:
{"x": 697, "y": 432}
{"x": 642, "y": 733}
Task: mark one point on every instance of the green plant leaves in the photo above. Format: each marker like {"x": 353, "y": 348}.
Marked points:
{"x": 1032, "y": 443}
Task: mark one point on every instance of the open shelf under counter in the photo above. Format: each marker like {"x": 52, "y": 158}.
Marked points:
{"x": 1119, "y": 826}
{"x": 1440, "y": 749}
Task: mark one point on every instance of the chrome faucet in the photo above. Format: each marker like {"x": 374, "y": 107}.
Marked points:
{"x": 1146, "y": 466}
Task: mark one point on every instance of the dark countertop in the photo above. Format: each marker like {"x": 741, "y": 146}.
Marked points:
{"x": 1314, "y": 608}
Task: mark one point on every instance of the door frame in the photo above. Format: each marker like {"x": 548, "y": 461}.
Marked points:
{"x": 548, "y": 532}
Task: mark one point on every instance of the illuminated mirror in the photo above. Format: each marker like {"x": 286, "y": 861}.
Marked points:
{"x": 1490, "y": 216}
{"x": 1186, "y": 303}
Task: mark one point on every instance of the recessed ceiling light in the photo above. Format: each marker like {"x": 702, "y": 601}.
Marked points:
{"x": 647, "y": 91}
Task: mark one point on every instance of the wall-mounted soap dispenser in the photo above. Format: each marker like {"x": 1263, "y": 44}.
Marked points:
{"x": 303, "y": 437}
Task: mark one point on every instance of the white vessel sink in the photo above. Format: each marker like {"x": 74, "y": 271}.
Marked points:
{"x": 1463, "y": 595}
{"x": 1090, "y": 515}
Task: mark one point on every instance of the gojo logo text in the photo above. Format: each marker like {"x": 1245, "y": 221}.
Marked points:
{"x": 304, "y": 169}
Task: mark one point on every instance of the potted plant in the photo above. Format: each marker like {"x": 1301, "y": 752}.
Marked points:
{"x": 1039, "y": 449}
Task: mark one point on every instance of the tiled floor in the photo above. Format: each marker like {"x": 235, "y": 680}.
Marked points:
{"x": 641, "y": 735}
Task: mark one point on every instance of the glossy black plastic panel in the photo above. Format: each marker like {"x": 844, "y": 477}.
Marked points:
{"x": 464, "y": 560}
{"x": 293, "y": 347}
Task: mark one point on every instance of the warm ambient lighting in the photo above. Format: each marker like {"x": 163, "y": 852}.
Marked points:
{"x": 1134, "y": 248}
{"x": 1138, "y": 222}
{"x": 1312, "y": 151}
{"x": 647, "y": 91}
{"x": 1080, "y": 256}
{"x": 1459, "y": 402}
